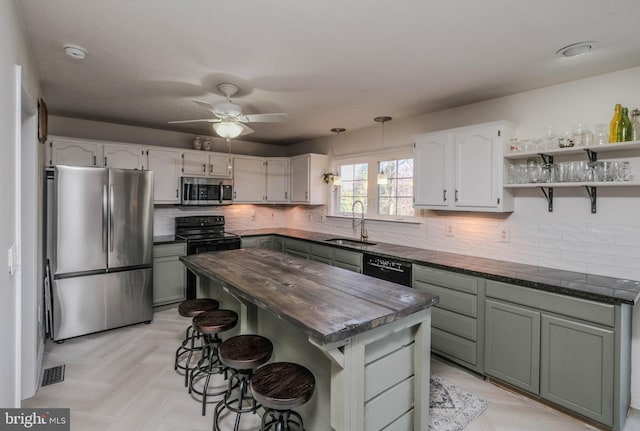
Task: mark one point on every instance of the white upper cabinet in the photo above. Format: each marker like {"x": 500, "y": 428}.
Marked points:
{"x": 307, "y": 186}
{"x": 125, "y": 157}
{"x": 462, "y": 169}
{"x": 260, "y": 180}
{"x": 277, "y": 180}
{"x": 432, "y": 154}
{"x": 195, "y": 163}
{"x": 74, "y": 152}
{"x": 257, "y": 180}
{"x": 220, "y": 165}
{"x": 165, "y": 165}
{"x": 201, "y": 163}
{"x": 249, "y": 179}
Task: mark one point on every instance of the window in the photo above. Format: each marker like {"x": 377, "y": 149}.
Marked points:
{"x": 359, "y": 183}
{"x": 395, "y": 198}
{"x": 355, "y": 180}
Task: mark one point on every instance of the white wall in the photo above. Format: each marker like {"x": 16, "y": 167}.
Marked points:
{"x": 14, "y": 51}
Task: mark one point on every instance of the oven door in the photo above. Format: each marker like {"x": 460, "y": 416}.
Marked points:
{"x": 221, "y": 244}
{"x": 206, "y": 191}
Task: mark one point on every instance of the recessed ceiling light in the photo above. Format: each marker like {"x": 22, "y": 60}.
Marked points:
{"x": 576, "y": 49}
{"x": 74, "y": 51}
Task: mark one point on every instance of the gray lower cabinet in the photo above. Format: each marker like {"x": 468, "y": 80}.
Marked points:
{"x": 512, "y": 345}
{"x": 333, "y": 256}
{"x": 345, "y": 259}
{"x": 577, "y": 367}
{"x": 296, "y": 248}
{"x": 263, "y": 241}
{"x": 169, "y": 274}
{"x": 457, "y": 320}
{"x": 569, "y": 351}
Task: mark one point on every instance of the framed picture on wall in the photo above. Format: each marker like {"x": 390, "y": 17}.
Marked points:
{"x": 42, "y": 121}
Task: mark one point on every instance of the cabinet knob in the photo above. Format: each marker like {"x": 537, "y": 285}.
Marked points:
{"x": 456, "y": 196}
{"x": 444, "y": 195}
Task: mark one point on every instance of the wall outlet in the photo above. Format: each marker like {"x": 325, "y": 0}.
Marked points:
{"x": 253, "y": 216}
{"x": 504, "y": 234}
{"x": 323, "y": 219}
{"x": 450, "y": 229}
{"x": 308, "y": 217}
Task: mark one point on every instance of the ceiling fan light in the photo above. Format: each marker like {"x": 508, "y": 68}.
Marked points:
{"x": 228, "y": 129}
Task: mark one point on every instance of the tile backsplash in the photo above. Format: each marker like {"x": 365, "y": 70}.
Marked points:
{"x": 602, "y": 249}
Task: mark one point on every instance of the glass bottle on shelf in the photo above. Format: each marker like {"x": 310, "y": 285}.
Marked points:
{"x": 624, "y": 127}
{"x": 635, "y": 125}
{"x": 615, "y": 121}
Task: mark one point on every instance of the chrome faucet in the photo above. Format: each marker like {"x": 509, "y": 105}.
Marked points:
{"x": 363, "y": 230}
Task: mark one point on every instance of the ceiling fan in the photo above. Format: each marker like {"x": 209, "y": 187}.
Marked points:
{"x": 229, "y": 121}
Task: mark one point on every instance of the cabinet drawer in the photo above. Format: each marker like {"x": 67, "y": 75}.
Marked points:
{"x": 454, "y": 323}
{"x": 451, "y": 300}
{"x": 444, "y": 278}
{"x": 591, "y": 311}
{"x": 298, "y": 246}
{"x": 322, "y": 259}
{"x": 453, "y": 345}
{"x": 354, "y": 268}
{"x": 347, "y": 257}
{"x": 164, "y": 250}
{"x": 321, "y": 251}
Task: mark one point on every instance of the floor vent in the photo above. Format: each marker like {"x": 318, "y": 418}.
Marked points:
{"x": 53, "y": 375}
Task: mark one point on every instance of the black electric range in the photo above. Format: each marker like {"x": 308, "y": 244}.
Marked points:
{"x": 203, "y": 234}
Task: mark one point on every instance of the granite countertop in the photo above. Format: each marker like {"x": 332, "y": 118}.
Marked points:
{"x": 581, "y": 285}
{"x": 167, "y": 239}
{"x": 328, "y": 303}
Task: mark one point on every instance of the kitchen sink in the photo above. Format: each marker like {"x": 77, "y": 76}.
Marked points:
{"x": 349, "y": 242}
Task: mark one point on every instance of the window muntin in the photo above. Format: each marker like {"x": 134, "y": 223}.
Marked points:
{"x": 395, "y": 198}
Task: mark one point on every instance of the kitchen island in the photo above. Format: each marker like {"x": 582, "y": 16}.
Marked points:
{"x": 367, "y": 341}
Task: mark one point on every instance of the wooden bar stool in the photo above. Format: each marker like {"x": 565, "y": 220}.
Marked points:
{"x": 210, "y": 324}
{"x": 281, "y": 387}
{"x": 191, "y": 308}
{"x": 241, "y": 354}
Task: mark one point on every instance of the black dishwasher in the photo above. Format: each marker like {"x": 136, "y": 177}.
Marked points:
{"x": 396, "y": 271}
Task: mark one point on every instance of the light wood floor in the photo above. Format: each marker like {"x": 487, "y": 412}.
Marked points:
{"x": 124, "y": 380}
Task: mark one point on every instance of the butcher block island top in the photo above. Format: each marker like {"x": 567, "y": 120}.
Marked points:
{"x": 329, "y": 304}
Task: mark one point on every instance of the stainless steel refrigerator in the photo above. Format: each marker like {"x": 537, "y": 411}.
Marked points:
{"x": 100, "y": 256}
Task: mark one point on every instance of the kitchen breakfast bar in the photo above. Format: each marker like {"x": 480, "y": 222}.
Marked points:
{"x": 367, "y": 341}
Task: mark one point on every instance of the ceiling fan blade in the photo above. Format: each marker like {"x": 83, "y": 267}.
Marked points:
{"x": 247, "y": 130}
{"x": 206, "y": 105}
{"x": 267, "y": 118}
{"x": 208, "y": 120}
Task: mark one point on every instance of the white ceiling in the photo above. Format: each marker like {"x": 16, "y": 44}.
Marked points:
{"x": 326, "y": 63}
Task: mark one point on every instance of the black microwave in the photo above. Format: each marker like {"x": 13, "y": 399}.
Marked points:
{"x": 206, "y": 191}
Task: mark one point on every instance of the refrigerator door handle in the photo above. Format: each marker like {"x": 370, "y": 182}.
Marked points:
{"x": 111, "y": 199}
{"x": 105, "y": 217}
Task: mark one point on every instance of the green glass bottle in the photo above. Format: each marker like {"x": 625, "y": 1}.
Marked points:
{"x": 615, "y": 121}
{"x": 624, "y": 127}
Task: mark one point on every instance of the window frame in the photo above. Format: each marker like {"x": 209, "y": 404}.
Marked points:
{"x": 373, "y": 160}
